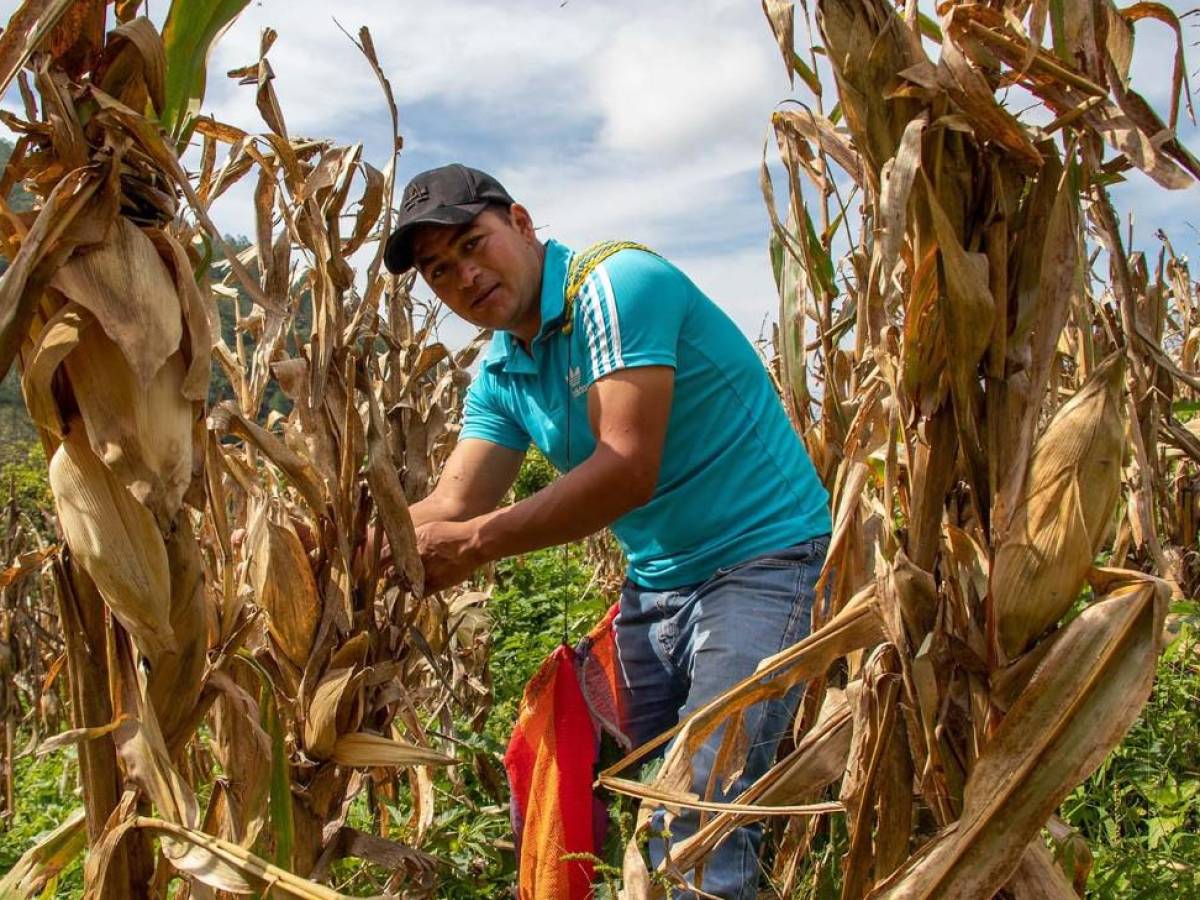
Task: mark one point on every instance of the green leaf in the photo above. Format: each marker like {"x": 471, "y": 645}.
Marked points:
{"x": 192, "y": 27}
{"x": 806, "y": 74}
{"x": 1058, "y": 29}
{"x": 929, "y": 28}
{"x": 280, "y": 798}
{"x": 822, "y": 272}
{"x": 1185, "y": 608}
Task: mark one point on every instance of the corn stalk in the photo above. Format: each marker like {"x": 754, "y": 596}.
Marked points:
{"x": 225, "y": 564}
{"x": 991, "y": 423}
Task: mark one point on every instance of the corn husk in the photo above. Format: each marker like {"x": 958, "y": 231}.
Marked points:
{"x": 104, "y": 280}
{"x": 1071, "y": 487}
{"x": 285, "y": 588}
{"x": 116, "y": 541}
{"x": 142, "y": 432}
{"x": 178, "y": 675}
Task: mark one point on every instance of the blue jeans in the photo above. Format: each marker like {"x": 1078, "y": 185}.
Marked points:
{"x": 680, "y": 648}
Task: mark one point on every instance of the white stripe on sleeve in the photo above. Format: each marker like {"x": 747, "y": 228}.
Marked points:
{"x": 603, "y": 359}
{"x": 589, "y": 326}
{"x": 614, "y": 322}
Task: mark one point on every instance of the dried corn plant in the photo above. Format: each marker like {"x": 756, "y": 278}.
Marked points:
{"x": 991, "y": 423}
{"x": 256, "y": 576}
{"x": 31, "y": 644}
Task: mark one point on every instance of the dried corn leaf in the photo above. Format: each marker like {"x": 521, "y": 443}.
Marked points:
{"x": 78, "y": 735}
{"x": 388, "y": 494}
{"x": 873, "y": 706}
{"x": 782, "y": 16}
{"x": 869, "y": 46}
{"x": 225, "y": 418}
{"x": 243, "y": 749}
{"x": 27, "y": 28}
{"x": 855, "y": 626}
{"x": 148, "y": 765}
{"x": 823, "y": 133}
{"x": 24, "y": 565}
{"x": 898, "y": 176}
{"x": 362, "y": 750}
{"x": 103, "y": 850}
{"x": 975, "y": 97}
{"x": 58, "y": 338}
{"x": 252, "y": 868}
{"x": 199, "y": 330}
{"x": 49, "y": 241}
{"x": 968, "y": 307}
{"x": 692, "y": 801}
{"x": 320, "y": 724}
{"x": 817, "y": 761}
{"x": 178, "y": 676}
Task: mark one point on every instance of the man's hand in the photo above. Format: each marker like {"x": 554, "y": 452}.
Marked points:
{"x": 628, "y": 412}
{"x": 449, "y": 552}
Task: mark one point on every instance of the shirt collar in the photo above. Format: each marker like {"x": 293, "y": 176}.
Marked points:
{"x": 505, "y": 352}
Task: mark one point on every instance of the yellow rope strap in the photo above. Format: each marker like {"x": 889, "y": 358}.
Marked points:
{"x": 584, "y": 264}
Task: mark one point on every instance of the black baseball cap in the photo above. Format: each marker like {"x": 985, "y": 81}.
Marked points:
{"x": 449, "y": 195}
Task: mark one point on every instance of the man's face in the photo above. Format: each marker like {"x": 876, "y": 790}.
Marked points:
{"x": 488, "y": 271}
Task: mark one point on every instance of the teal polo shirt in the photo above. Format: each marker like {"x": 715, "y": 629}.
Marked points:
{"x": 735, "y": 481}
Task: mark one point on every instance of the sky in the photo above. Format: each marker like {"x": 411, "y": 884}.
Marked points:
{"x": 618, "y": 119}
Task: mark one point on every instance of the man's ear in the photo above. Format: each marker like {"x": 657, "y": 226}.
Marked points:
{"x": 520, "y": 219}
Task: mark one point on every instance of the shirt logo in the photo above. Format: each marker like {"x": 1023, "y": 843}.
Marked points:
{"x": 575, "y": 382}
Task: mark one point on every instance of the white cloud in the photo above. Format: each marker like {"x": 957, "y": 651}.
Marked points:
{"x": 671, "y": 86}
{"x": 455, "y": 52}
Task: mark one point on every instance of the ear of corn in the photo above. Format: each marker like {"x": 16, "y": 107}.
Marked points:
{"x": 116, "y": 541}
{"x": 1071, "y": 489}
{"x": 141, "y": 432}
{"x": 102, "y": 280}
{"x": 283, "y": 583}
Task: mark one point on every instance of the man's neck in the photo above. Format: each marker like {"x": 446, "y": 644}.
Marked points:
{"x": 526, "y": 331}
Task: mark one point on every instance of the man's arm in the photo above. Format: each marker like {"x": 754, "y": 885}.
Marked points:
{"x": 475, "y": 479}
{"x": 628, "y": 411}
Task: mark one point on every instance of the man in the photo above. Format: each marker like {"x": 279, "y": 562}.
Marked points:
{"x": 666, "y": 427}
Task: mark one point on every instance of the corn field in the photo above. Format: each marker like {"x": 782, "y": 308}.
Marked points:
{"x": 228, "y": 621}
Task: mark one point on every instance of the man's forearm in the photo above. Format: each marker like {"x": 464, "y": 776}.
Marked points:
{"x": 586, "y": 499}
{"x": 435, "y": 509}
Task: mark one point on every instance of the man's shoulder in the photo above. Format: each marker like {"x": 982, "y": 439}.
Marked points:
{"x": 632, "y": 271}
{"x": 636, "y": 261}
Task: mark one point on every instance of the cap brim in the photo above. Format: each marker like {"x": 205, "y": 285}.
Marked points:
{"x": 397, "y": 256}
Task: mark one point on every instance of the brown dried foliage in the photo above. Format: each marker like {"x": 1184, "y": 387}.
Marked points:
{"x": 990, "y": 419}
{"x": 219, "y": 567}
